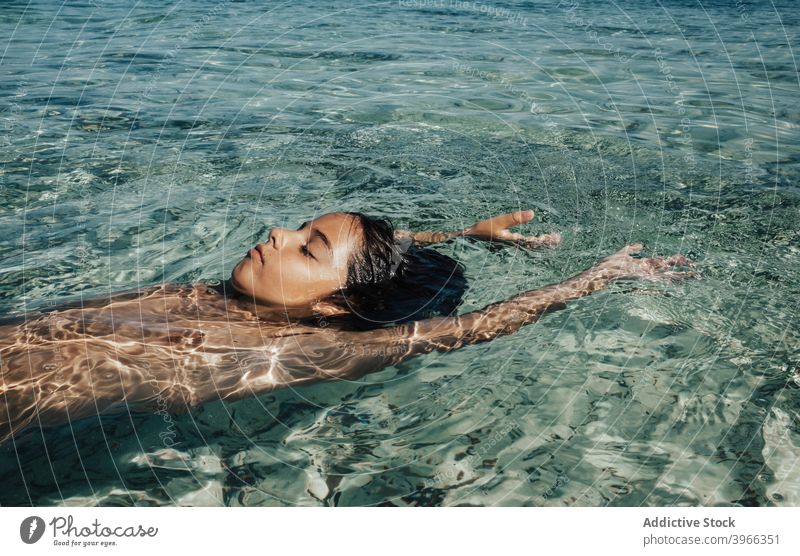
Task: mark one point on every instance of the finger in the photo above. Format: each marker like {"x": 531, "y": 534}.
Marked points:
{"x": 515, "y": 238}
{"x": 681, "y": 275}
{"x": 522, "y": 216}
{"x": 655, "y": 263}
{"x": 511, "y": 219}
{"x": 680, "y": 260}
{"x": 673, "y": 275}
{"x": 552, "y": 239}
{"x": 545, "y": 239}
{"x": 505, "y": 235}
{"x": 632, "y": 248}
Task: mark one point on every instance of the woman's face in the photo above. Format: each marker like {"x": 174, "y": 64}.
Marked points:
{"x": 297, "y": 267}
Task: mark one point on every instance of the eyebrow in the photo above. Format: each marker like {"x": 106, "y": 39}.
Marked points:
{"x": 316, "y": 233}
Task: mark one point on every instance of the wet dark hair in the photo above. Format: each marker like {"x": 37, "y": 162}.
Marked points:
{"x": 387, "y": 286}
{"x": 376, "y": 258}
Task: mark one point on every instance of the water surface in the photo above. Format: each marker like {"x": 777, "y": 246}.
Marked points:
{"x": 146, "y": 142}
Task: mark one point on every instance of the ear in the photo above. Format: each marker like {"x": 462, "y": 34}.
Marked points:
{"x": 328, "y": 309}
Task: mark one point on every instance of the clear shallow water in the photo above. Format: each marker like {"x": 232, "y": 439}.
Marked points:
{"x": 145, "y": 142}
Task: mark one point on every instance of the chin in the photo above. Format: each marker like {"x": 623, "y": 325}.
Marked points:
{"x": 236, "y": 282}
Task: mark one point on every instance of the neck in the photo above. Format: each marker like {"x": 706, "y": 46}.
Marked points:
{"x": 269, "y": 312}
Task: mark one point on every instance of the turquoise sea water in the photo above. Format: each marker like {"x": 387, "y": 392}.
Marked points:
{"x": 149, "y": 141}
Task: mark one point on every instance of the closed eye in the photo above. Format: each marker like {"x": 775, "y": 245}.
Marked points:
{"x": 304, "y": 250}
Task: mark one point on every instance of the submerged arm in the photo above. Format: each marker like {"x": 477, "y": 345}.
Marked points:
{"x": 351, "y": 355}
{"x": 492, "y": 229}
{"x": 508, "y": 316}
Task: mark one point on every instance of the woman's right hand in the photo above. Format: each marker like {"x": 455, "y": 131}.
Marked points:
{"x": 622, "y": 265}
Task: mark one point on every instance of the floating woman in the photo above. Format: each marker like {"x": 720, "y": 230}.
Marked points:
{"x": 323, "y": 302}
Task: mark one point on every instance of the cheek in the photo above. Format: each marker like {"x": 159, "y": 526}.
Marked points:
{"x": 301, "y": 280}
{"x": 285, "y": 272}
{"x": 251, "y": 273}
{"x": 281, "y": 278}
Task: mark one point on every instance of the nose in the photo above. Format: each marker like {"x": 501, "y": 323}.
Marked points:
{"x": 277, "y": 237}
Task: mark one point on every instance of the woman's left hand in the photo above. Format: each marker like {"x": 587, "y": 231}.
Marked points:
{"x": 497, "y": 229}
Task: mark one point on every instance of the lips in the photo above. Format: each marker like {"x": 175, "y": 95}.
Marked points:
{"x": 256, "y": 255}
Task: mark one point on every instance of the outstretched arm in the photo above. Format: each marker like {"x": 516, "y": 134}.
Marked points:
{"x": 350, "y": 355}
{"x": 492, "y": 229}
{"x": 60, "y": 374}
{"x": 506, "y": 317}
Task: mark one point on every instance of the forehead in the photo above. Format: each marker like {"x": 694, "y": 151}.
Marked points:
{"x": 336, "y": 224}
{"x": 341, "y": 230}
